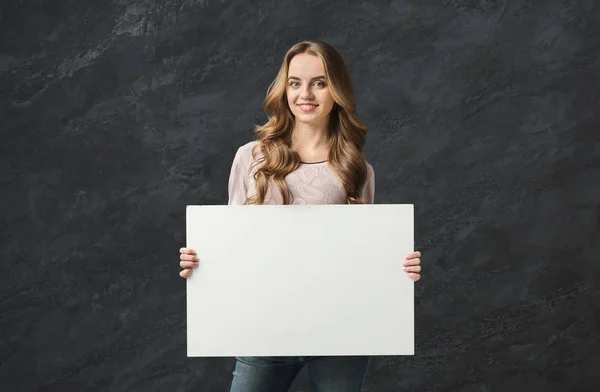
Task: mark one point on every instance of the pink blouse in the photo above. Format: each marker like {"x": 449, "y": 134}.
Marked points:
{"x": 311, "y": 183}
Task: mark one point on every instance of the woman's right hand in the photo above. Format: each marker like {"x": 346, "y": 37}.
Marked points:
{"x": 189, "y": 260}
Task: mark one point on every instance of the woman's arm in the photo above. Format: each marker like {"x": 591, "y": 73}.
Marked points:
{"x": 238, "y": 178}
{"x": 368, "y": 191}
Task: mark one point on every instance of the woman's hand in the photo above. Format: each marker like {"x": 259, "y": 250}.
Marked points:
{"x": 412, "y": 265}
{"x": 189, "y": 260}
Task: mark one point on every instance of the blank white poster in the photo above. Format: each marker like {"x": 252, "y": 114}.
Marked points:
{"x": 300, "y": 280}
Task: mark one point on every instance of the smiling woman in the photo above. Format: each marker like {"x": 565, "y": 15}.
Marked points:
{"x": 312, "y": 119}
{"x": 309, "y": 94}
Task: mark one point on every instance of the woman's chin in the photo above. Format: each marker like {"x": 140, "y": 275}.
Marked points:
{"x": 309, "y": 118}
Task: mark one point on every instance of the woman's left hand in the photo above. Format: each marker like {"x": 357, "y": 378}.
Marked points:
{"x": 412, "y": 265}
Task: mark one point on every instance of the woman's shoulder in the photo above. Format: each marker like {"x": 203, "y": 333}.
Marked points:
{"x": 246, "y": 149}
{"x": 370, "y": 170}
{"x": 244, "y": 153}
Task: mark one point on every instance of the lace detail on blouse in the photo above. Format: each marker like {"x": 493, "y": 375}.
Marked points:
{"x": 311, "y": 183}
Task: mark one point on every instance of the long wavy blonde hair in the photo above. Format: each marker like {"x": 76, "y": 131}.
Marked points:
{"x": 345, "y": 134}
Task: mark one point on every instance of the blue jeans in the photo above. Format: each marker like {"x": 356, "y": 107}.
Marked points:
{"x": 276, "y": 374}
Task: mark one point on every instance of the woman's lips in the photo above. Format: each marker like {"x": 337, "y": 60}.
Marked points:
{"x": 307, "y": 107}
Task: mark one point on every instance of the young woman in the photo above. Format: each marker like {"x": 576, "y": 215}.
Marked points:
{"x": 308, "y": 152}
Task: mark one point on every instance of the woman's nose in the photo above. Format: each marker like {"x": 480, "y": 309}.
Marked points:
{"x": 306, "y": 93}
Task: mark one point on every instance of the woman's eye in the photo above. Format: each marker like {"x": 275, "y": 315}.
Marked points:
{"x": 320, "y": 84}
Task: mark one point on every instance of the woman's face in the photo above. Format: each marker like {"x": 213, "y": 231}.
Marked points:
{"x": 307, "y": 92}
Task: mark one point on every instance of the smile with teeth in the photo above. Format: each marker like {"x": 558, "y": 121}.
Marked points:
{"x": 307, "y": 107}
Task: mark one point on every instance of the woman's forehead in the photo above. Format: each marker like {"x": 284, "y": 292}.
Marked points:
{"x": 306, "y": 66}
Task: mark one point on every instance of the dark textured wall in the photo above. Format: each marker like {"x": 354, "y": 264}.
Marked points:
{"x": 116, "y": 114}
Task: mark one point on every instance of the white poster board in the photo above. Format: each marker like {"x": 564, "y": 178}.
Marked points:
{"x": 301, "y": 280}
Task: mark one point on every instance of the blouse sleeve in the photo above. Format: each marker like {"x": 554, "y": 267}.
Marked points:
{"x": 238, "y": 178}
{"x": 368, "y": 191}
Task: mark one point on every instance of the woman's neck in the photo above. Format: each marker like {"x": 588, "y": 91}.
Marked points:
{"x": 310, "y": 142}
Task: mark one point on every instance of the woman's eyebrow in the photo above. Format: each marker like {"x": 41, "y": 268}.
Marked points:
{"x": 315, "y": 78}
